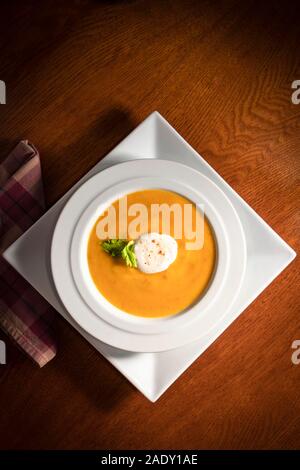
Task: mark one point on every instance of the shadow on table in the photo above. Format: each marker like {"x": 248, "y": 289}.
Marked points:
{"x": 66, "y": 164}
{"x": 88, "y": 371}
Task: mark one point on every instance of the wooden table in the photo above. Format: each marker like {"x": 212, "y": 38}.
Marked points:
{"x": 80, "y": 76}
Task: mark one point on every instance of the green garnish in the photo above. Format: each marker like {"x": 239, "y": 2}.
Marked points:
{"x": 128, "y": 255}
{"x": 114, "y": 246}
{"x": 123, "y": 248}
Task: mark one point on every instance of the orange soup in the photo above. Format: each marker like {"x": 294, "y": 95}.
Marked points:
{"x": 163, "y": 293}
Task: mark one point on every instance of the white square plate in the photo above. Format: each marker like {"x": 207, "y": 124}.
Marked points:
{"x": 267, "y": 256}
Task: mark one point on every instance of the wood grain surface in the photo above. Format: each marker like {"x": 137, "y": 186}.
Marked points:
{"x": 80, "y": 75}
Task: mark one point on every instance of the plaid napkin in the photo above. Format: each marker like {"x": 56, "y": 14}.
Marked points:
{"x": 24, "y": 315}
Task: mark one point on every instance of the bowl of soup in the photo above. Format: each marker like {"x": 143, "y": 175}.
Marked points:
{"x": 153, "y": 296}
{"x": 162, "y": 284}
{"x": 142, "y": 257}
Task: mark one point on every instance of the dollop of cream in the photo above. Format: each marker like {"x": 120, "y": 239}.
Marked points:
{"x": 155, "y": 252}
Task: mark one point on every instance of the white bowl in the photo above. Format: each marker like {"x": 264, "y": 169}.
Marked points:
{"x": 98, "y": 303}
{"x": 78, "y": 291}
